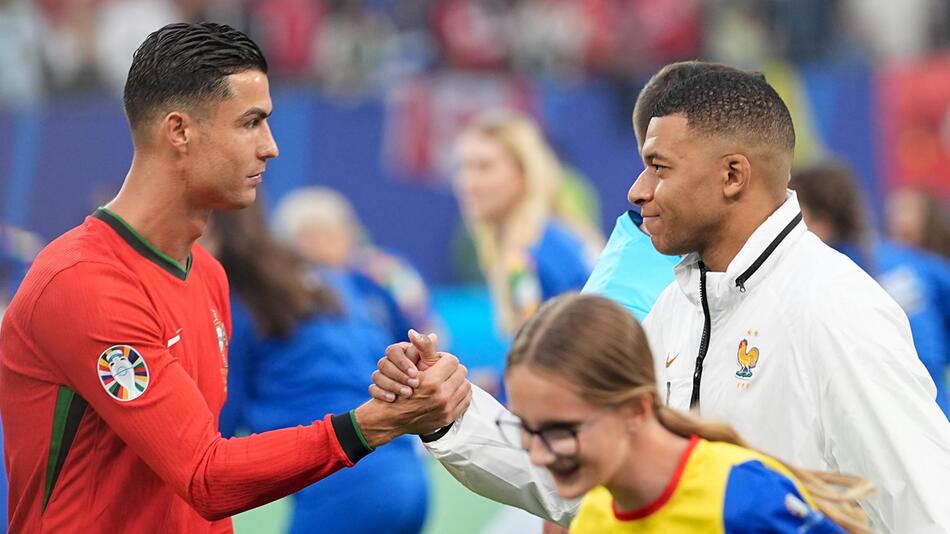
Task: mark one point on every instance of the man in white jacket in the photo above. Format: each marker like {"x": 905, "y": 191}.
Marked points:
{"x": 764, "y": 327}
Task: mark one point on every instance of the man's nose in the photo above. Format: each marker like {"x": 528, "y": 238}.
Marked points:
{"x": 642, "y": 189}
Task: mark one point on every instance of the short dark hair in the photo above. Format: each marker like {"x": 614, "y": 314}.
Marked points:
{"x": 660, "y": 82}
{"x": 731, "y": 102}
{"x": 830, "y": 189}
{"x": 186, "y": 64}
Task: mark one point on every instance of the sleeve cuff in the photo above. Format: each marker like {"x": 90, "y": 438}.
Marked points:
{"x": 437, "y": 435}
{"x": 350, "y": 437}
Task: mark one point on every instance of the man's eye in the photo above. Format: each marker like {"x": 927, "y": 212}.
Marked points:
{"x": 253, "y": 124}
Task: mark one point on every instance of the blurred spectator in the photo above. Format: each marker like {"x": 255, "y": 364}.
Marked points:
{"x": 919, "y": 220}
{"x": 350, "y": 47}
{"x": 897, "y": 30}
{"x": 320, "y": 224}
{"x": 124, "y": 24}
{"x": 303, "y": 346}
{"x": 836, "y": 211}
{"x": 549, "y": 37}
{"x": 21, "y": 52}
{"x": 507, "y": 185}
{"x": 473, "y": 34}
{"x": 72, "y": 45}
{"x": 287, "y": 30}
{"x": 737, "y": 33}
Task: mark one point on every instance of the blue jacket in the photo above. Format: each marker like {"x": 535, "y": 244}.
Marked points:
{"x": 629, "y": 270}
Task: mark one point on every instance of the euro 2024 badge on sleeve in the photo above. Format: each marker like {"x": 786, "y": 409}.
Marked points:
{"x": 123, "y": 372}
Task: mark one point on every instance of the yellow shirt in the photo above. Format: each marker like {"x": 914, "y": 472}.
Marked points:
{"x": 717, "y": 488}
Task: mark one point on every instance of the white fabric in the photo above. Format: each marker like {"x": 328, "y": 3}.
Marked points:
{"x": 837, "y": 386}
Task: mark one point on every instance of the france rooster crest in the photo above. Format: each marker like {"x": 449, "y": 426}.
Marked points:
{"x": 748, "y": 358}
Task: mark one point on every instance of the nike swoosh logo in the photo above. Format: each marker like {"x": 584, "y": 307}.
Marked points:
{"x": 669, "y": 361}
{"x": 177, "y": 338}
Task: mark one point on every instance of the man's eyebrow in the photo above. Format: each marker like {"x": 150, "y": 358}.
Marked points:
{"x": 255, "y": 112}
{"x": 653, "y": 154}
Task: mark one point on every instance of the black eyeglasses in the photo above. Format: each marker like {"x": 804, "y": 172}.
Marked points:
{"x": 560, "y": 439}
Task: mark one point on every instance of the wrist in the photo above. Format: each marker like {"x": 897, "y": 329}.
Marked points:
{"x": 374, "y": 425}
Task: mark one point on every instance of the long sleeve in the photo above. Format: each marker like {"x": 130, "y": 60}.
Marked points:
{"x": 92, "y": 308}
{"x": 477, "y": 455}
{"x": 878, "y": 414}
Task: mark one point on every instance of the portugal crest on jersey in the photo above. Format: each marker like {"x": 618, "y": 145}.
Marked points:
{"x": 123, "y": 372}
{"x": 222, "y": 336}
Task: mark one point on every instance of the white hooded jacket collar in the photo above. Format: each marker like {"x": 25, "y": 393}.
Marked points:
{"x": 755, "y": 259}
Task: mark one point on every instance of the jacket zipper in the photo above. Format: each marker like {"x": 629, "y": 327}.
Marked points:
{"x": 741, "y": 280}
{"x": 740, "y": 283}
{"x": 704, "y": 343}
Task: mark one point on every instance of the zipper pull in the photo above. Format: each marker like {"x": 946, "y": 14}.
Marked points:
{"x": 740, "y": 283}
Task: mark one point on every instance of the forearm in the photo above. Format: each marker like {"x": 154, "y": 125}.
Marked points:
{"x": 233, "y": 475}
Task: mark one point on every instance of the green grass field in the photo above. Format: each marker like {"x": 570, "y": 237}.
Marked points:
{"x": 454, "y": 510}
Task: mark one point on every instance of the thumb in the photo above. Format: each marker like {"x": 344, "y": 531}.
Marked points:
{"x": 425, "y": 345}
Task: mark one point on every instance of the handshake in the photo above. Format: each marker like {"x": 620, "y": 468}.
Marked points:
{"x": 416, "y": 390}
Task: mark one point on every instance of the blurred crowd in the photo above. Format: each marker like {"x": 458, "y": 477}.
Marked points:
{"x": 359, "y": 46}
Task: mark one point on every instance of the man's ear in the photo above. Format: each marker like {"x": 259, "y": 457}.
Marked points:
{"x": 737, "y": 175}
{"x": 178, "y": 129}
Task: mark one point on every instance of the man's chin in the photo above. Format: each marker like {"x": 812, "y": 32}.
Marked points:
{"x": 663, "y": 247}
{"x": 240, "y": 203}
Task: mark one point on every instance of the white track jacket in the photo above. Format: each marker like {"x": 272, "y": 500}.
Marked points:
{"x": 799, "y": 350}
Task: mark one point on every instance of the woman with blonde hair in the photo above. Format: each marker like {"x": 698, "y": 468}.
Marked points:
{"x": 588, "y": 410}
{"x": 531, "y": 246}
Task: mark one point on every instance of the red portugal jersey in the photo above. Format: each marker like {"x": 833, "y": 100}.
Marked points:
{"x": 113, "y": 368}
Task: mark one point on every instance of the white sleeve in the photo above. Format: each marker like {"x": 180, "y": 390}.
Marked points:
{"x": 477, "y": 455}
{"x": 877, "y": 410}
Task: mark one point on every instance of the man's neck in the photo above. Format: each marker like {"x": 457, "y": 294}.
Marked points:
{"x": 735, "y": 233}
{"x": 156, "y": 210}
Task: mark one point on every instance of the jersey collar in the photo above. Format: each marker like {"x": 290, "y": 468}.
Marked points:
{"x": 143, "y": 247}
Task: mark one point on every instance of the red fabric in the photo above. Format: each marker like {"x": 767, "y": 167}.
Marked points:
{"x": 156, "y": 463}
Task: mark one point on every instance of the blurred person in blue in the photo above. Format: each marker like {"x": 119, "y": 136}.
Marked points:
{"x": 305, "y": 341}
{"x": 507, "y": 183}
{"x": 17, "y": 250}
{"x": 917, "y": 218}
{"x": 836, "y": 211}
{"x": 321, "y": 226}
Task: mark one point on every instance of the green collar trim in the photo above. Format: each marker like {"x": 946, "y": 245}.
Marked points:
{"x": 142, "y": 246}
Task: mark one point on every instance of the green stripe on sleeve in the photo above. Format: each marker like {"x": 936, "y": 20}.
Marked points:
{"x": 70, "y": 408}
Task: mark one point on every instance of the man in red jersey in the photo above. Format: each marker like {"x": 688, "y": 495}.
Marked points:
{"x": 113, "y": 355}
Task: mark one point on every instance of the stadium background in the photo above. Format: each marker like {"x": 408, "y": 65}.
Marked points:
{"x": 368, "y": 96}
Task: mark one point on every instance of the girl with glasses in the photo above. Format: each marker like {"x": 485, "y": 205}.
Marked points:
{"x": 581, "y": 383}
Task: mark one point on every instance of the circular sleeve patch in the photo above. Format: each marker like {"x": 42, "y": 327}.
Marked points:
{"x": 123, "y": 372}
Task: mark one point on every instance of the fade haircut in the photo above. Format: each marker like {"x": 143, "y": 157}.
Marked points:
{"x": 660, "y": 82}
{"x": 186, "y": 65}
{"x": 731, "y": 103}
